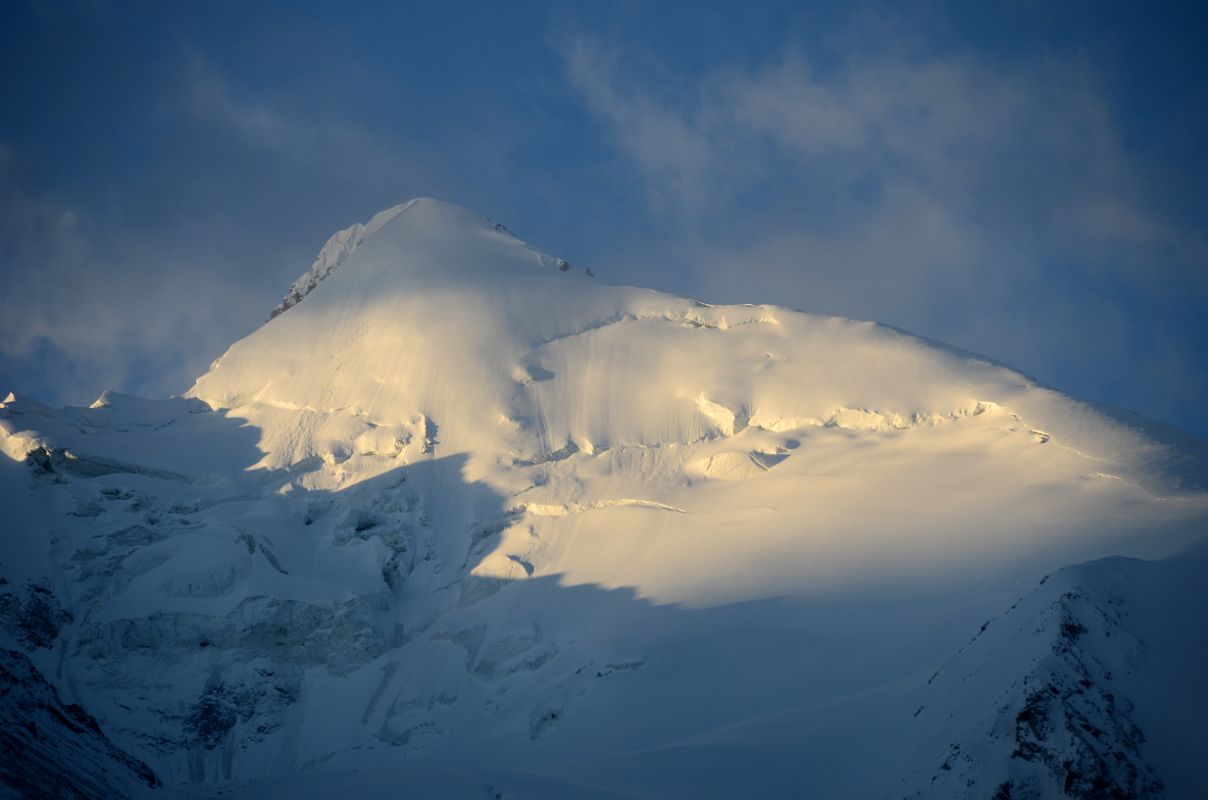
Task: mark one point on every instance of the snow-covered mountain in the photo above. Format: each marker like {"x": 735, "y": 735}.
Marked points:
{"x": 465, "y": 520}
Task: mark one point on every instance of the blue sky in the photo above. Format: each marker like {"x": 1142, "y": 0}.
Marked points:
{"x": 1018, "y": 179}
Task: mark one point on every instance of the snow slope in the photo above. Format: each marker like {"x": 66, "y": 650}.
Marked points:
{"x": 458, "y": 502}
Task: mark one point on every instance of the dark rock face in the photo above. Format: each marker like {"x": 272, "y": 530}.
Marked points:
{"x": 1057, "y": 726}
{"x": 256, "y": 702}
{"x": 52, "y": 749}
{"x": 1073, "y": 725}
{"x": 32, "y": 616}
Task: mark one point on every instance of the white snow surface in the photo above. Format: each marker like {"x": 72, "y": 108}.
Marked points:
{"x": 464, "y": 519}
{"x": 339, "y": 247}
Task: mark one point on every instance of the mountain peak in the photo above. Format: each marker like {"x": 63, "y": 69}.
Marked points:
{"x": 430, "y": 311}
{"x": 421, "y": 218}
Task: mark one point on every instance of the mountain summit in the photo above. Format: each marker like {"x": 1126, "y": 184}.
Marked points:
{"x": 460, "y": 503}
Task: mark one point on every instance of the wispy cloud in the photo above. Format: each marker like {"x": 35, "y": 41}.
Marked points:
{"x": 102, "y": 309}
{"x": 674, "y": 152}
{"x": 978, "y": 135}
{"x": 208, "y": 97}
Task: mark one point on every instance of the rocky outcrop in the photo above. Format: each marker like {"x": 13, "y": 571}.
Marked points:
{"x": 52, "y": 749}
{"x": 1033, "y": 706}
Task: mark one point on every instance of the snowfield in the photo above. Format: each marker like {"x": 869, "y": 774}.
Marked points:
{"x": 462, "y": 520}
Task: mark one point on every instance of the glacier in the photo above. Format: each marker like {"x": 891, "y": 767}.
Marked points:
{"x": 463, "y": 520}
